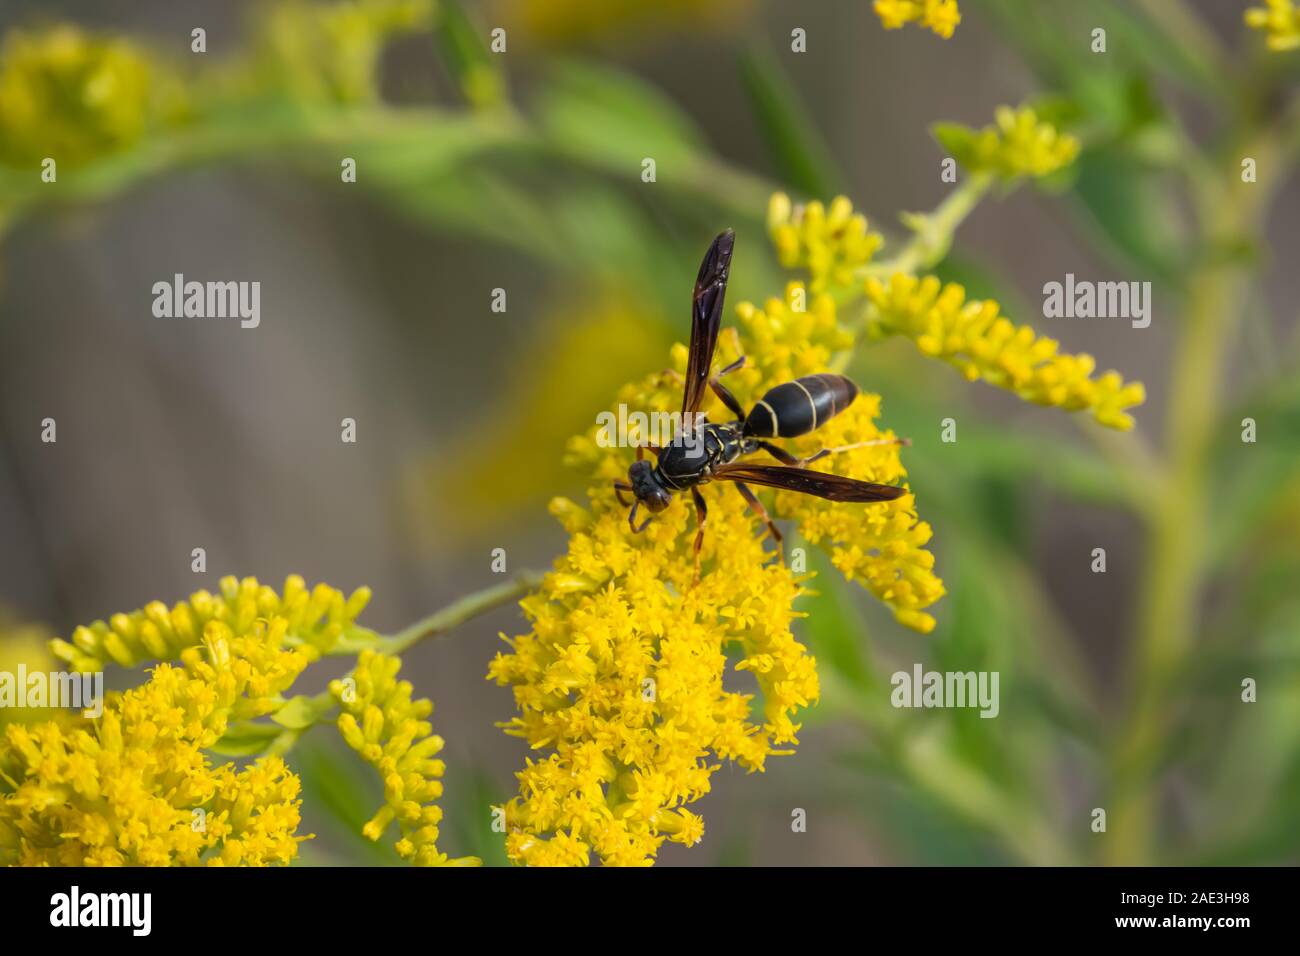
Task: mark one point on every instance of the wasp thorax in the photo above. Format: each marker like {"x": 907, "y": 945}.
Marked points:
{"x": 647, "y": 487}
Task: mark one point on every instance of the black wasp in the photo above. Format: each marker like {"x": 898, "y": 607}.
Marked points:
{"x": 786, "y": 411}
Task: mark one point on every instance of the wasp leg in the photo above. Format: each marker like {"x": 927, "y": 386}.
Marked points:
{"x": 741, "y": 360}
{"x": 677, "y": 376}
{"x": 641, "y": 449}
{"x": 724, "y": 393}
{"x": 701, "y": 515}
{"x": 631, "y": 519}
{"x": 733, "y": 367}
{"x": 759, "y": 510}
{"x": 619, "y": 488}
{"x": 785, "y": 458}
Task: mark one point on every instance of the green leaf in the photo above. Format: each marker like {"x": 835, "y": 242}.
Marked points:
{"x": 1150, "y": 42}
{"x": 245, "y": 739}
{"x": 1131, "y": 213}
{"x": 472, "y": 796}
{"x": 801, "y": 155}
{"x": 1055, "y": 41}
{"x": 614, "y": 120}
{"x": 474, "y": 68}
{"x": 339, "y": 795}
{"x": 957, "y": 141}
{"x": 301, "y": 712}
{"x": 833, "y": 629}
{"x": 1258, "y": 483}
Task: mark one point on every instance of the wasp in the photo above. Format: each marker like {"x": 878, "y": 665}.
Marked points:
{"x": 785, "y": 411}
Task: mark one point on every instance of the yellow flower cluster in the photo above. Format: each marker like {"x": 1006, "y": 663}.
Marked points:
{"x": 75, "y": 97}
{"x": 315, "y": 618}
{"x": 381, "y": 722}
{"x": 136, "y": 788}
{"x": 622, "y": 678}
{"x": 881, "y": 546}
{"x": 1018, "y": 144}
{"x": 975, "y": 338}
{"x": 832, "y": 244}
{"x": 940, "y": 16}
{"x": 625, "y": 675}
{"x": 331, "y": 52}
{"x": 1280, "y": 19}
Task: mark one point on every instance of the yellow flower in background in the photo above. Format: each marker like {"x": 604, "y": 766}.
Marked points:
{"x": 74, "y": 96}
{"x": 981, "y": 343}
{"x": 330, "y": 52}
{"x": 1019, "y": 143}
{"x": 136, "y": 788}
{"x": 25, "y": 645}
{"x": 625, "y": 679}
{"x": 1280, "y": 19}
{"x": 581, "y": 352}
{"x": 938, "y": 16}
{"x": 316, "y": 619}
{"x": 390, "y": 731}
{"x": 831, "y": 244}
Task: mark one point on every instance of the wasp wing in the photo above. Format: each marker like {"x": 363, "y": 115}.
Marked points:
{"x": 808, "y": 482}
{"x": 706, "y": 319}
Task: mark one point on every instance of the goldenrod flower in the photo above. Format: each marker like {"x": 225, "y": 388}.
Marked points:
{"x": 75, "y": 97}
{"x": 390, "y": 731}
{"x": 832, "y": 244}
{"x": 1280, "y": 19}
{"x": 939, "y": 16}
{"x": 331, "y": 52}
{"x": 880, "y": 546}
{"x": 315, "y": 619}
{"x": 136, "y": 787}
{"x": 622, "y": 679}
{"x": 625, "y": 677}
{"x": 981, "y": 343}
{"x": 1018, "y": 144}
{"x": 582, "y": 351}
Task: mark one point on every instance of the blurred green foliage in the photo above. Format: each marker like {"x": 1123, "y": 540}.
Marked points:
{"x": 557, "y": 181}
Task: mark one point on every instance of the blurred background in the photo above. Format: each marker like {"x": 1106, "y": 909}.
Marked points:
{"x": 522, "y": 172}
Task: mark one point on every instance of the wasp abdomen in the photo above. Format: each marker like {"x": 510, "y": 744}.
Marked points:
{"x": 796, "y": 408}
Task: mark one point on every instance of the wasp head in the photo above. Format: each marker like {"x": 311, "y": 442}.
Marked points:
{"x": 646, "y": 486}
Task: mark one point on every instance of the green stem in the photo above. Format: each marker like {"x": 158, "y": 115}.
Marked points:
{"x": 932, "y": 237}
{"x": 1184, "y": 27}
{"x": 1178, "y": 544}
{"x": 934, "y": 231}
{"x": 928, "y": 764}
{"x": 435, "y": 625}
{"x": 458, "y": 612}
{"x": 446, "y": 619}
